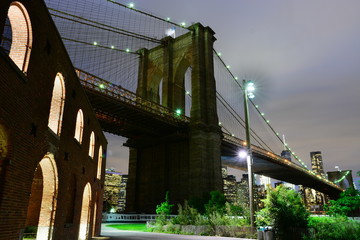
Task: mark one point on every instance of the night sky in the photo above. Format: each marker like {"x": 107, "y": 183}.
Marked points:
{"x": 304, "y": 56}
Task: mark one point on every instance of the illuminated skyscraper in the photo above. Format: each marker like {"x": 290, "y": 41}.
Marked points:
{"x": 317, "y": 163}
{"x": 286, "y": 154}
{"x": 315, "y": 200}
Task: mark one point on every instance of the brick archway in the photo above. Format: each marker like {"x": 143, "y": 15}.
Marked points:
{"x": 45, "y": 189}
{"x": 85, "y": 213}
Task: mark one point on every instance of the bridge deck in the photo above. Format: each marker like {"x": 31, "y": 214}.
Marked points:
{"x": 271, "y": 165}
{"x": 122, "y": 112}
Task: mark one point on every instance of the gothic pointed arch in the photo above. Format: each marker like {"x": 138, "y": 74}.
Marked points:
{"x": 155, "y": 85}
{"x": 182, "y": 76}
{"x": 57, "y": 104}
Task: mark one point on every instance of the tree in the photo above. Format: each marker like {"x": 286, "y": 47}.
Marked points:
{"x": 347, "y": 203}
{"x": 283, "y": 210}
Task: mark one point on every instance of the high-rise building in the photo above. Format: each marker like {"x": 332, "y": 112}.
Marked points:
{"x": 122, "y": 197}
{"x": 114, "y": 191}
{"x": 315, "y": 200}
{"x": 286, "y": 154}
{"x": 265, "y": 181}
{"x": 317, "y": 163}
{"x": 230, "y": 186}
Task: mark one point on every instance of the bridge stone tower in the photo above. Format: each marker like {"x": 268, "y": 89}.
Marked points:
{"x": 185, "y": 163}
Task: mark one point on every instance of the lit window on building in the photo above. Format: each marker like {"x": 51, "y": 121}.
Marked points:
{"x": 79, "y": 128}
{"x": 17, "y": 37}
{"x": 92, "y": 145}
{"x": 57, "y": 105}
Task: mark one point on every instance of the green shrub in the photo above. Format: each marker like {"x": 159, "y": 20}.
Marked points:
{"x": 349, "y": 201}
{"x": 333, "y": 228}
{"x": 199, "y": 202}
{"x": 233, "y": 209}
{"x": 165, "y": 207}
{"x": 283, "y": 210}
{"x": 188, "y": 215}
{"x": 163, "y": 210}
{"x": 216, "y": 203}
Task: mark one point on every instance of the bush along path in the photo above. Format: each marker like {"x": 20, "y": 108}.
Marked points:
{"x": 210, "y": 216}
{"x": 284, "y": 211}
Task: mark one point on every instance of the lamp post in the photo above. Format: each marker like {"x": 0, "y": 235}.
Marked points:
{"x": 248, "y": 88}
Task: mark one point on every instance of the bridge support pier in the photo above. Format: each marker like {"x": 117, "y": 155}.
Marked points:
{"x": 185, "y": 167}
{"x": 186, "y": 163}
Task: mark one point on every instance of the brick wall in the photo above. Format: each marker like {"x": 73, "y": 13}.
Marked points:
{"x": 25, "y": 103}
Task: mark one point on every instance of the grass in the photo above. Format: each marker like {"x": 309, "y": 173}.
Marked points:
{"x": 139, "y": 227}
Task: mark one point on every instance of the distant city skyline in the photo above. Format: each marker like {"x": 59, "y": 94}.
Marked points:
{"x": 308, "y": 57}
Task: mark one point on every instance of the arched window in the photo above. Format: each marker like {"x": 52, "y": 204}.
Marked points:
{"x": 100, "y": 159}
{"x": 21, "y": 40}
{"x": 57, "y": 105}
{"x": 92, "y": 145}
{"x": 79, "y": 126}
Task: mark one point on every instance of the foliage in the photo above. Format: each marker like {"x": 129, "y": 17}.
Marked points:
{"x": 263, "y": 218}
{"x": 348, "y": 202}
{"x": 333, "y": 228}
{"x": 218, "y": 217}
{"x": 284, "y": 209}
{"x": 234, "y": 209}
{"x": 199, "y": 203}
{"x": 164, "y": 210}
{"x": 164, "y": 207}
{"x": 216, "y": 203}
{"x": 188, "y": 216}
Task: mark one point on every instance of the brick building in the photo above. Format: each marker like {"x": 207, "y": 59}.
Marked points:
{"x": 51, "y": 144}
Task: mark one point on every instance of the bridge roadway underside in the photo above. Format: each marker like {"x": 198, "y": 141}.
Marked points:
{"x": 269, "y": 167}
{"x": 128, "y": 120}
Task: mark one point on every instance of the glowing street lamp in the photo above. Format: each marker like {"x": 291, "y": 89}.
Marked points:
{"x": 242, "y": 154}
{"x": 249, "y": 88}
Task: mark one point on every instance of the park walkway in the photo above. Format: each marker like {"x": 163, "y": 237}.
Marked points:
{"x": 108, "y": 233}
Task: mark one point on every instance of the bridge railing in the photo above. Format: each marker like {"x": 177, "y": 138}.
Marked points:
{"x": 118, "y": 217}
{"x": 112, "y": 90}
{"x": 259, "y": 150}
